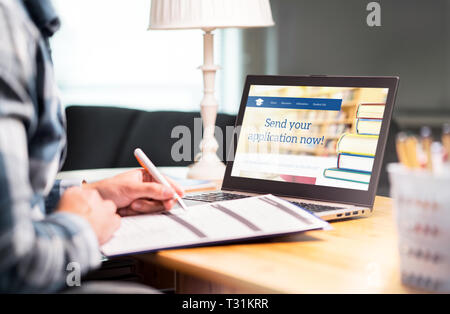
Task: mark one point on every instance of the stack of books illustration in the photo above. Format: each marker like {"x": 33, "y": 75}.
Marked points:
{"x": 356, "y": 152}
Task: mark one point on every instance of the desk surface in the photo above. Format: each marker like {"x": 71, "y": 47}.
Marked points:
{"x": 357, "y": 256}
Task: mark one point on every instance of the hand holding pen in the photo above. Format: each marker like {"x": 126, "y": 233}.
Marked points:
{"x": 145, "y": 162}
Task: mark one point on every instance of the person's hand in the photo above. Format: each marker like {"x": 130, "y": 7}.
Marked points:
{"x": 87, "y": 203}
{"x": 136, "y": 192}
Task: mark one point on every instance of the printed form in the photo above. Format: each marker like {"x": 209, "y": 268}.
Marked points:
{"x": 245, "y": 218}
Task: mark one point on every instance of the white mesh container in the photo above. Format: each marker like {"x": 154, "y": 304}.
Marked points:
{"x": 422, "y": 212}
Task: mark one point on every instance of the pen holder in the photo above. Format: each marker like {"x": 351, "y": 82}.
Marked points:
{"x": 422, "y": 213}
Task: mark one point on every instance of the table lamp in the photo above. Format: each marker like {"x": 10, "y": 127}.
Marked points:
{"x": 209, "y": 15}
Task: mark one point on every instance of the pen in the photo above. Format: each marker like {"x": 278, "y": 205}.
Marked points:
{"x": 401, "y": 149}
{"x": 411, "y": 151}
{"x": 426, "y": 141}
{"x": 437, "y": 153}
{"x": 446, "y": 140}
{"x": 145, "y": 162}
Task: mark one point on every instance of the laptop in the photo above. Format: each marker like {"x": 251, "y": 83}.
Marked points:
{"x": 316, "y": 141}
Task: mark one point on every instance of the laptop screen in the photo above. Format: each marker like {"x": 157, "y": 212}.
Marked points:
{"x": 315, "y": 135}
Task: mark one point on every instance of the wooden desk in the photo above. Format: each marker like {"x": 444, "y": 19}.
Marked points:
{"x": 357, "y": 256}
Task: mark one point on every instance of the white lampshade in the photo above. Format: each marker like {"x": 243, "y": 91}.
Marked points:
{"x": 209, "y": 14}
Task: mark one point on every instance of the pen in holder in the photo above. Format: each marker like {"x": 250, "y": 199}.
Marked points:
{"x": 422, "y": 211}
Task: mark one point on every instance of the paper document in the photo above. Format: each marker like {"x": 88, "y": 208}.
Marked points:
{"x": 217, "y": 222}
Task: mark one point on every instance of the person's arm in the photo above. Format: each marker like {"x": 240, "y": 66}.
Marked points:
{"x": 34, "y": 254}
{"x": 58, "y": 189}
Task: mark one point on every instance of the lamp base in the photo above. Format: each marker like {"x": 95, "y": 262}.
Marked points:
{"x": 208, "y": 167}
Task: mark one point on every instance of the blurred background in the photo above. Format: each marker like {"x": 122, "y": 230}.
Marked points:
{"x": 332, "y": 37}
{"x": 104, "y": 56}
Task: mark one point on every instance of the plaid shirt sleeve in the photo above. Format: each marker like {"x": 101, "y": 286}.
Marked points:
{"x": 34, "y": 249}
{"x": 58, "y": 189}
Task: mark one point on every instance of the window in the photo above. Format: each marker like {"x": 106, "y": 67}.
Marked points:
{"x": 104, "y": 55}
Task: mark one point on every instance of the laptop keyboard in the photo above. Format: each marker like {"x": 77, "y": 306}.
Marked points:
{"x": 222, "y": 196}
{"x": 315, "y": 207}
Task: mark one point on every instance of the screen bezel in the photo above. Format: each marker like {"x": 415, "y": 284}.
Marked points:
{"x": 307, "y": 191}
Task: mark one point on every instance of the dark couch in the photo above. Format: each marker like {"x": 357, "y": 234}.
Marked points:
{"x": 105, "y": 137}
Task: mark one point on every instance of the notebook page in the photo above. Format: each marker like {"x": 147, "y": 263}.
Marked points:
{"x": 210, "y": 222}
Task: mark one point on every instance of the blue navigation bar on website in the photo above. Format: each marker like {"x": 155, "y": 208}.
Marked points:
{"x": 295, "y": 103}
